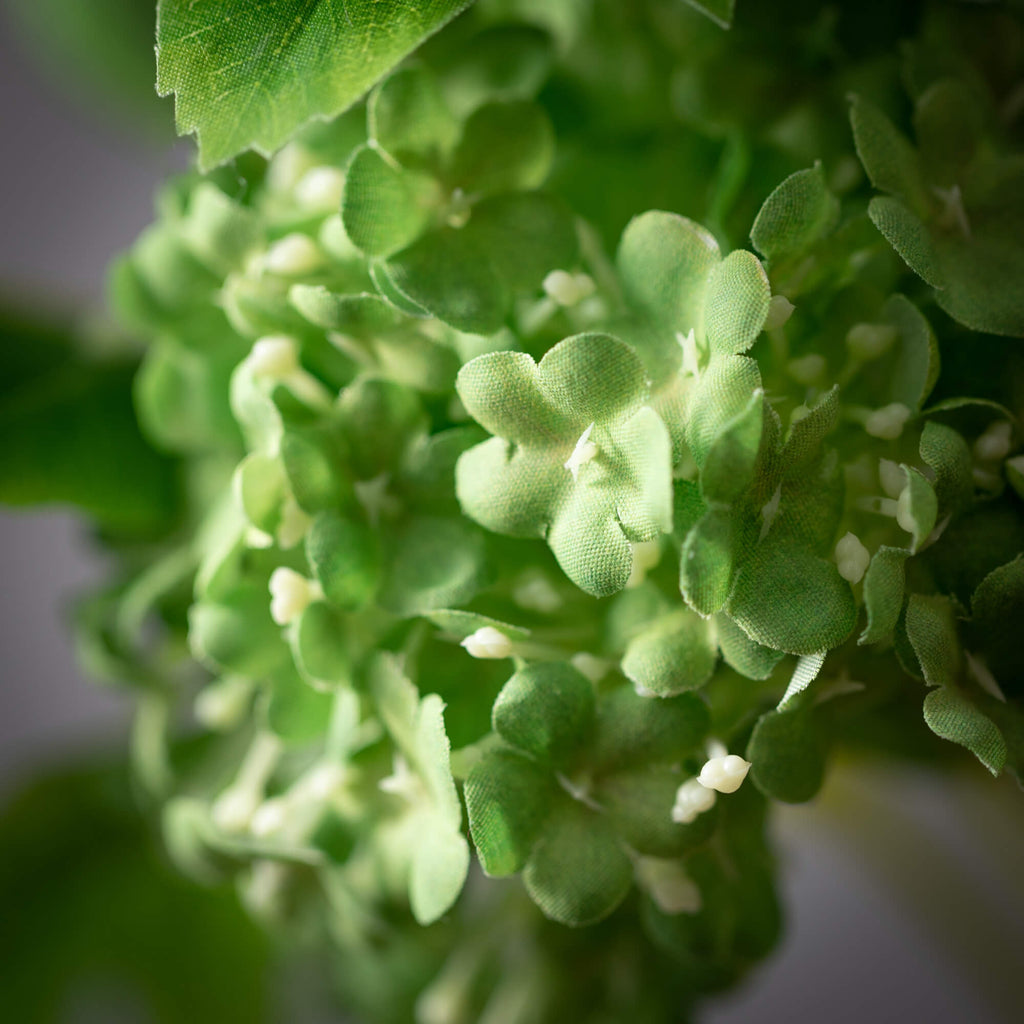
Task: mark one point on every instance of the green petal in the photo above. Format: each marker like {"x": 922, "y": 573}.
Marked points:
{"x": 295, "y": 711}
{"x": 674, "y": 654}
{"x": 804, "y": 440}
{"x": 545, "y": 709}
{"x": 578, "y": 873}
{"x": 259, "y": 483}
{"x": 737, "y": 303}
{"x": 236, "y": 632}
{"x": 799, "y": 212}
{"x": 507, "y": 801}
{"x": 791, "y": 600}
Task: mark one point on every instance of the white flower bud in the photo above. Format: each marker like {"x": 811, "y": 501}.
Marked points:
{"x": 892, "y": 477}
{"x": 904, "y": 512}
{"x": 724, "y": 774}
{"x": 568, "y": 289}
{"x": 290, "y": 595}
{"x": 584, "y": 451}
{"x": 274, "y": 357}
{"x": 869, "y": 341}
{"x": 320, "y": 188}
{"x": 887, "y": 423}
{"x": 488, "y": 642}
{"x": 780, "y": 309}
{"x": 692, "y": 799}
{"x": 293, "y": 256}
{"x": 852, "y": 558}
{"x": 995, "y": 443}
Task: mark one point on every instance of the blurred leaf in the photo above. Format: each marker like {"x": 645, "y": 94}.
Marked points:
{"x": 312, "y": 60}
{"x": 674, "y": 654}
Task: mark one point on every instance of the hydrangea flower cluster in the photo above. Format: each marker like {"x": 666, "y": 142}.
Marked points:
{"x": 504, "y": 545}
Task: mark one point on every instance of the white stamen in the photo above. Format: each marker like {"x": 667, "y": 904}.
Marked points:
{"x": 852, "y": 558}
{"x": 780, "y": 309}
{"x": 691, "y": 356}
{"x": 488, "y": 642}
{"x": 869, "y": 341}
{"x": 670, "y": 887}
{"x": 892, "y": 477}
{"x": 887, "y": 423}
{"x": 995, "y": 443}
{"x": 583, "y": 453}
{"x": 290, "y": 595}
{"x": 692, "y": 799}
{"x": 724, "y": 774}
{"x": 293, "y": 256}
{"x": 320, "y": 188}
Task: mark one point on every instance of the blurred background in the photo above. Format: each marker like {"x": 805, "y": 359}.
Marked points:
{"x": 904, "y": 896}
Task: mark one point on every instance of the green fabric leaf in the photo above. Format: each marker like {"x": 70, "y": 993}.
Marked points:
{"x": 887, "y": 155}
{"x": 732, "y": 459}
{"x": 219, "y": 232}
{"x": 997, "y": 607}
{"x": 448, "y": 274}
{"x": 345, "y": 558}
{"x": 951, "y": 716}
{"x": 314, "y": 59}
{"x": 915, "y": 367}
{"x": 787, "y": 756}
{"x": 381, "y": 419}
{"x": 432, "y": 563}
{"x": 507, "y": 801}
{"x": 407, "y": 116}
{"x": 632, "y": 730}
{"x": 296, "y": 712}
{"x": 932, "y": 630}
{"x": 259, "y": 483}
{"x": 505, "y": 147}
{"x": 440, "y": 863}
{"x": 804, "y": 673}
{"x": 750, "y": 659}
{"x": 798, "y": 213}
{"x": 236, "y": 632}
{"x": 719, "y": 11}
{"x": 664, "y": 261}
{"x": 639, "y": 807}
{"x": 909, "y": 236}
{"x": 811, "y": 506}
{"x": 707, "y": 564}
{"x": 804, "y": 440}
{"x": 383, "y": 207}
{"x": 320, "y": 645}
{"x": 737, "y": 303}
{"x": 724, "y": 390}
{"x": 945, "y": 451}
{"x": 921, "y": 507}
{"x": 791, "y": 600}
{"x": 312, "y": 463}
{"x": 545, "y": 709}
{"x": 883, "y": 593}
{"x": 577, "y": 873}
{"x": 674, "y": 654}
{"x": 357, "y": 315}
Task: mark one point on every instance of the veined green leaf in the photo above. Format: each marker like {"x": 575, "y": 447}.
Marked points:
{"x": 737, "y": 303}
{"x": 951, "y": 716}
{"x": 932, "y": 631}
{"x": 883, "y": 593}
{"x": 799, "y": 212}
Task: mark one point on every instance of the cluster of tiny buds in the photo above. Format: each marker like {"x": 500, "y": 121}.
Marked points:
{"x": 721, "y": 773}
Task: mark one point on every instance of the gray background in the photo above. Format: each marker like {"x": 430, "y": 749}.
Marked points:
{"x": 903, "y": 894}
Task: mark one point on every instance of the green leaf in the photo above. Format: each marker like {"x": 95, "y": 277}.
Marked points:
{"x": 732, "y": 459}
{"x": 920, "y": 507}
{"x": 632, "y": 730}
{"x": 997, "y": 607}
{"x": 719, "y": 11}
{"x": 505, "y": 147}
{"x": 710, "y": 555}
{"x": 664, "y": 261}
{"x": 724, "y": 390}
{"x": 546, "y": 710}
{"x": 915, "y": 367}
{"x": 577, "y": 873}
{"x": 909, "y": 236}
{"x": 320, "y": 645}
{"x": 945, "y": 451}
{"x": 440, "y": 863}
{"x": 314, "y": 59}
{"x": 951, "y": 716}
{"x": 381, "y": 420}
{"x": 236, "y": 632}
{"x": 345, "y": 558}
{"x": 797, "y": 214}
{"x": 750, "y": 659}
{"x": 383, "y": 207}
{"x": 259, "y": 483}
{"x": 887, "y": 155}
{"x": 804, "y": 441}
{"x": 674, "y": 654}
{"x": 448, "y": 274}
{"x": 737, "y": 303}
{"x": 296, "y": 712}
{"x": 312, "y": 463}
{"x": 432, "y": 563}
{"x": 791, "y": 600}
{"x": 787, "y": 756}
{"x": 883, "y": 593}
{"x": 507, "y": 801}
{"x": 932, "y": 631}
{"x": 408, "y": 118}
{"x": 804, "y": 673}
